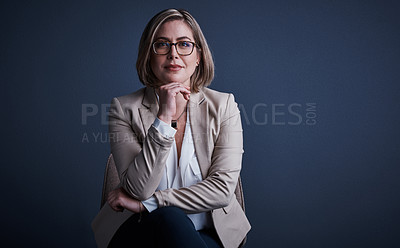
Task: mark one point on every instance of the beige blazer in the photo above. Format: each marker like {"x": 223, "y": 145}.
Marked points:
{"x": 140, "y": 153}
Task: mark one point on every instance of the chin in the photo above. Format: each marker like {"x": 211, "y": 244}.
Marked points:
{"x": 175, "y": 79}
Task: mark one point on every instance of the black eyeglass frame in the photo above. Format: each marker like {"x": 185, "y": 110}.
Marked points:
{"x": 170, "y": 44}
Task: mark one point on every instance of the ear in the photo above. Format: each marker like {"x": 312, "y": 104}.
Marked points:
{"x": 198, "y": 58}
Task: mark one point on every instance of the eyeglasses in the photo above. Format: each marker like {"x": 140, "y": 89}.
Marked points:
{"x": 183, "y": 48}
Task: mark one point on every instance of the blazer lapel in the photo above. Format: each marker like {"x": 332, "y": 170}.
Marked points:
{"x": 149, "y": 109}
{"x": 198, "y": 116}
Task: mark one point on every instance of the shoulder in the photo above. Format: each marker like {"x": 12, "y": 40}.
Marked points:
{"x": 214, "y": 95}
{"x": 220, "y": 102}
{"x": 218, "y": 98}
{"x": 127, "y": 106}
{"x": 132, "y": 99}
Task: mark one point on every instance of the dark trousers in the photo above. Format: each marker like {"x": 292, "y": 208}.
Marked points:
{"x": 167, "y": 227}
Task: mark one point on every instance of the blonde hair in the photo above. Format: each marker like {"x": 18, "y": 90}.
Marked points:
{"x": 204, "y": 73}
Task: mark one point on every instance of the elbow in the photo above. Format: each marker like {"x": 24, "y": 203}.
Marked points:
{"x": 224, "y": 203}
{"x": 144, "y": 195}
{"x": 139, "y": 193}
{"x": 224, "y": 199}
{"x": 224, "y": 190}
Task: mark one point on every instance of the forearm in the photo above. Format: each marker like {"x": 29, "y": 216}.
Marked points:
{"x": 144, "y": 173}
{"x": 218, "y": 188}
{"x": 118, "y": 199}
{"x": 140, "y": 163}
{"x": 209, "y": 194}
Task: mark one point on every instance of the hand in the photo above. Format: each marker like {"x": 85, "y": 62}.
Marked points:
{"x": 119, "y": 200}
{"x": 167, "y": 99}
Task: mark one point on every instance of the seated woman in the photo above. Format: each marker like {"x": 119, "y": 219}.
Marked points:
{"x": 177, "y": 146}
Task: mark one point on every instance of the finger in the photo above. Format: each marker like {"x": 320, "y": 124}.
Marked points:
{"x": 173, "y": 85}
{"x": 110, "y": 200}
{"x": 168, "y": 86}
{"x": 112, "y": 205}
{"x": 111, "y": 196}
{"x": 182, "y": 88}
{"x": 186, "y": 96}
{"x": 176, "y": 90}
{"x": 116, "y": 206}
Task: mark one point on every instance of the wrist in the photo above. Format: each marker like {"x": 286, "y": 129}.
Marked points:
{"x": 166, "y": 119}
{"x": 141, "y": 207}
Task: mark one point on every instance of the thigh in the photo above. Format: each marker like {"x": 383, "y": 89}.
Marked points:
{"x": 131, "y": 233}
{"x": 172, "y": 228}
{"x": 164, "y": 227}
{"x": 210, "y": 237}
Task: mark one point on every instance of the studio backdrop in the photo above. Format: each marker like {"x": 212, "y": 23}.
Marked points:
{"x": 317, "y": 84}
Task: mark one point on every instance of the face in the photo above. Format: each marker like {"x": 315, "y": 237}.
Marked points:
{"x": 173, "y": 67}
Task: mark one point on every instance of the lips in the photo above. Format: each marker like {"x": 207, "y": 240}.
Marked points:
{"x": 174, "y": 67}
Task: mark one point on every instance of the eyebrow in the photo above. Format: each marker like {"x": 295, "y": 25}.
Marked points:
{"x": 179, "y": 38}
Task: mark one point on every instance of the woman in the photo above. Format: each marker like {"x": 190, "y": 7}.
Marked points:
{"x": 177, "y": 146}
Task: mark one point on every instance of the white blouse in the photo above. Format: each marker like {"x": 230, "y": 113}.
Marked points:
{"x": 187, "y": 174}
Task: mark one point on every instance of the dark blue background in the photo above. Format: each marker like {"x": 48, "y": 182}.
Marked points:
{"x": 332, "y": 184}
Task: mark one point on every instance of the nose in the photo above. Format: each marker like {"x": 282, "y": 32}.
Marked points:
{"x": 173, "y": 52}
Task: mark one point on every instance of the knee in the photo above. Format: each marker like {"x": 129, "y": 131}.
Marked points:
{"x": 170, "y": 216}
{"x": 169, "y": 212}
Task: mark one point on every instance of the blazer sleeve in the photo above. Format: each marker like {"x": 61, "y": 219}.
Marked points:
{"x": 140, "y": 160}
{"x": 218, "y": 188}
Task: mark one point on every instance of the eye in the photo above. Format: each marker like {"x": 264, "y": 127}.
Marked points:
{"x": 162, "y": 44}
{"x": 185, "y": 44}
